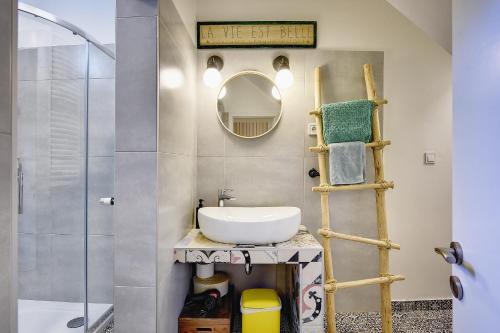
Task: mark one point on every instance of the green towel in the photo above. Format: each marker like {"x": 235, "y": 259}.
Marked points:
{"x": 348, "y": 121}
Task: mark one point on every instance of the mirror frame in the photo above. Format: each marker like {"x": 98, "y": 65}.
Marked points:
{"x": 246, "y": 72}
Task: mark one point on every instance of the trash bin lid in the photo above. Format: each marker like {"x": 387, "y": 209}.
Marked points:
{"x": 260, "y": 299}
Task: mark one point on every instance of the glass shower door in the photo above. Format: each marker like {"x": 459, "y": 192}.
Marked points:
{"x": 52, "y": 102}
{"x": 66, "y": 166}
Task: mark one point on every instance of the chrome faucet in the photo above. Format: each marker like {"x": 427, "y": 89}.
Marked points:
{"x": 222, "y": 196}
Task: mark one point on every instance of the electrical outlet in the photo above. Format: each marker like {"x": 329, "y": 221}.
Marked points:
{"x": 311, "y": 129}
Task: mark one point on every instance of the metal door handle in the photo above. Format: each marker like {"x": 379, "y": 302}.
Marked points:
{"x": 20, "y": 187}
{"x": 456, "y": 288}
{"x": 453, "y": 254}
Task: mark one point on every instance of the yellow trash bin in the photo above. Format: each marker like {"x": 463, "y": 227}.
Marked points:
{"x": 260, "y": 310}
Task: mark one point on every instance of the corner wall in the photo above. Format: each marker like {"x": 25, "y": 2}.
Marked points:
{"x": 417, "y": 82}
{"x": 176, "y": 160}
{"x": 136, "y": 180}
{"x": 155, "y": 168}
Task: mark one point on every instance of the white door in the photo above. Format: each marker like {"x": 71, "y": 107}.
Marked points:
{"x": 476, "y": 163}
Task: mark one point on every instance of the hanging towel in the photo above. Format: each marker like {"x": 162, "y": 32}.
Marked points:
{"x": 347, "y": 121}
{"x": 347, "y": 163}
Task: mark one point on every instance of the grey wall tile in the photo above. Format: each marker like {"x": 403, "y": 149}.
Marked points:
{"x": 100, "y": 185}
{"x": 136, "y": 88}
{"x": 34, "y": 103}
{"x": 69, "y": 61}
{"x": 135, "y": 310}
{"x": 131, "y": 8}
{"x": 210, "y": 178}
{"x": 175, "y": 207}
{"x": 100, "y": 269}
{"x": 101, "y": 65}
{"x": 67, "y": 262}
{"x": 101, "y": 122}
{"x": 67, "y": 200}
{"x": 34, "y": 266}
{"x": 7, "y": 59}
{"x": 6, "y": 54}
{"x": 34, "y": 63}
{"x": 172, "y": 291}
{"x": 5, "y": 224}
{"x": 264, "y": 181}
{"x": 170, "y": 16}
{"x": 42, "y": 202}
{"x": 211, "y": 135}
{"x": 135, "y": 215}
{"x": 177, "y": 114}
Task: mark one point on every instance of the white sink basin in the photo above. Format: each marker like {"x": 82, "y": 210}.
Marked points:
{"x": 249, "y": 225}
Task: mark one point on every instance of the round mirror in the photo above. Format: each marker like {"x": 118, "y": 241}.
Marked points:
{"x": 249, "y": 104}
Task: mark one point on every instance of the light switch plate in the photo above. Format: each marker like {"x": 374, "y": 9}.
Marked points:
{"x": 430, "y": 157}
{"x": 311, "y": 129}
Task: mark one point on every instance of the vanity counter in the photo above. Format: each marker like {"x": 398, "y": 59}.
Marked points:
{"x": 303, "y": 259}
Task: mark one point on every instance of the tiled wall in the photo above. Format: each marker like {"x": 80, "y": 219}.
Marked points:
{"x": 176, "y": 162}
{"x": 7, "y": 221}
{"x": 136, "y": 181}
{"x": 155, "y": 171}
{"x": 51, "y": 148}
{"x": 272, "y": 170}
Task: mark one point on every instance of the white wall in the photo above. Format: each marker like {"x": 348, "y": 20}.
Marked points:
{"x": 417, "y": 82}
{"x": 432, "y": 16}
{"x": 96, "y": 17}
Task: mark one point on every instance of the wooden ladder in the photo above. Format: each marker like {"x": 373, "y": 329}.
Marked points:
{"x": 380, "y": 186}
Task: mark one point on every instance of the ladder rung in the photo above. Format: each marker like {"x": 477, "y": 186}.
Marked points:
{"x": 334, "y": 286}
{"x": 332, "y": 234}
{"x": 375, "y": 144}
{"x": 329, "y": 188}
{"x": 378, "y": 102}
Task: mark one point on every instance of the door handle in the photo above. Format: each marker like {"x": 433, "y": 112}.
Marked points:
{"x": 456, "y": 288}
{"x": 20, "y": 187}
{"x": 453, "y": 254}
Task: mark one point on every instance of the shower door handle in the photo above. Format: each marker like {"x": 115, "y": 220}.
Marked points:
{"x": 20, "y": 187}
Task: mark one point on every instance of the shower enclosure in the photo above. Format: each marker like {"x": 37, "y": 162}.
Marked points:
{"x": 65, "y": 140}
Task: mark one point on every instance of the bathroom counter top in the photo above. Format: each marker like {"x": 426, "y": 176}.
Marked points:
{"x": 196, "y": 248}
{"x": 302, "y": 257}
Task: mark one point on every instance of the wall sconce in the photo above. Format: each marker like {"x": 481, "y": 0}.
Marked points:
{"x": 284, "y": 77}
{"x": 212, "y": 76}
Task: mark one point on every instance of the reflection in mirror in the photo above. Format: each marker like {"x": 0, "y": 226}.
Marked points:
{"x": 249, "y": 104}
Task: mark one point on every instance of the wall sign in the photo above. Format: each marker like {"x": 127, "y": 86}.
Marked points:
{"x": 255, "y": 34}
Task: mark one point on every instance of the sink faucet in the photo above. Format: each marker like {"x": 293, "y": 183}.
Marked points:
{"x": 222, "y": 196}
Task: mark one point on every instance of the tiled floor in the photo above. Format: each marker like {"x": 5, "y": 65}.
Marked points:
{"x": 420, "y": 321}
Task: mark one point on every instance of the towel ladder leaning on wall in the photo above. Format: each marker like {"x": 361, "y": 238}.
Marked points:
{"x": 380, "y": 186}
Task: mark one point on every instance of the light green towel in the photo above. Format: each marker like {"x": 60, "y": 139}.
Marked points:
{"x": 348, "y": 121}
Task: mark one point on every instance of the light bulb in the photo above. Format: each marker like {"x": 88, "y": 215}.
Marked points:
{"x": 171, "y": 78}
{"x": 222, "y": 93}
{"x": 212, "y": 77}
{"x": 284, "y": 78}
{"x": 276, "y": 94}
